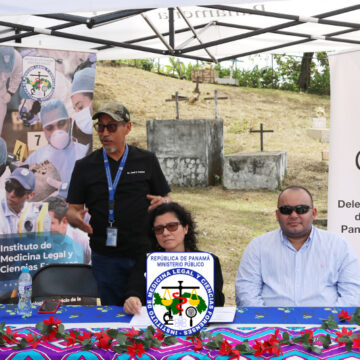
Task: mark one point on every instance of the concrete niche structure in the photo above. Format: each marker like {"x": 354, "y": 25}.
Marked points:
{"x": 255, "y": 170}
{"x": 190, "y": 152}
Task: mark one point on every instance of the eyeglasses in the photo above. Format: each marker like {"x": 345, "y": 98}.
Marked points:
{"x": 172, "y": 226}
{"x": 60, "y": 124}
{"x": 299, "y": 209}
{"x": 110, "y": 127}
{"x": 19, "y": 190}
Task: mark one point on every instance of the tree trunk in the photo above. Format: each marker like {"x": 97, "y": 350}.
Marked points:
{"x": 305, "y": 72}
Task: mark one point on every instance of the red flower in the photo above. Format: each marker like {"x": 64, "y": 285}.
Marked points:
{"x": 198, "y": 346}
{"x": 191, "y": 338}
{"x": 343, "y": 332}
{"x": 356, "y": 343}
{"x": 311, "y": 335}
{"x": 51, "y": 335}
{"x": 85, "y": 335}
{"x": 225, "y": 348}
{"x": 11, "y": 337}
{"x": 52, "y": 321}
{"x": 132, "y": 333}
{"x": 105, "y": 340}
{"x": 71, "y": 340}
{"x": 344, "y": 316}
{"x": 33, "y": 340}
{"x": 158, "y": 335}
{"x": 259, "y": 348}
{"x": 236, "y": 354}
{"x": 135, "y": 349}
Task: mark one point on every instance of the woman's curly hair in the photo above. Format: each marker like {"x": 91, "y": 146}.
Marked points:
{"x": 184, "y": 218}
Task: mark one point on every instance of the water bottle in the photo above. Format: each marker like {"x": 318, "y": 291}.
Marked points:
{"x": 25, "y": 291}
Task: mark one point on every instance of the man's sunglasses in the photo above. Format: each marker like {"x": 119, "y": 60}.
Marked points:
{"x": 19, "y": 190}
{"x": 172, "y": 226}
{"x": 60, "y": 124}
{"x": 110, "y": 127}
{"x": 299, "y": 209}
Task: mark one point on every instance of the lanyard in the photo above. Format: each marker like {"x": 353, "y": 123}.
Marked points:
{"x": 112, "y": 185}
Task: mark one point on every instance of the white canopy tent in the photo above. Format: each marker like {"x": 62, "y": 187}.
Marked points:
{"x": 206, "y": 32}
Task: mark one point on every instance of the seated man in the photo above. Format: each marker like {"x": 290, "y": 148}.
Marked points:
{"x": 298, "y": 264}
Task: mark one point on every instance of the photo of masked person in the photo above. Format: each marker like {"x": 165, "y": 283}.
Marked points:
{"x": 10, "y": 78}
{"x": 62, "y": 149}
{"x": 82, "y": 91}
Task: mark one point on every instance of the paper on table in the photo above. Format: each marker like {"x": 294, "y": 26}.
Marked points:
{"x": 141, "y": 320}
{"x": 221, "y": 315}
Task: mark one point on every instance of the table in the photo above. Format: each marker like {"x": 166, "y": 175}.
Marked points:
{"x": 249, "y": 323}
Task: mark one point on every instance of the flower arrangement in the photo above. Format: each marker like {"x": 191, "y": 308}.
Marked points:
{"x": 320, "y": 111}
{"x": 137, "y": 342}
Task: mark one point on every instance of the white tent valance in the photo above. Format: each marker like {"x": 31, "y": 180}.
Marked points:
{"x": 207, "y": 32}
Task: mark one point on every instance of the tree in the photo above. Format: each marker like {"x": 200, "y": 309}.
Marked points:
{"x": 305, "y": 71}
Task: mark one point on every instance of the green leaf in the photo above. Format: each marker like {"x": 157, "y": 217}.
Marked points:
{"x": 119, "y": 349}
{"x": 41, "y": 327}
{"x": 325, "y": 340}
{"x": 156, "y": 343}
{"x": 22, "y": 344}
{"x": 285, "y": 339}
{"x": 151, "y": 329}
{"x": 330, "y": 323}
{"x": 148, "y": 335}
{"x": 205, "y": 335}
{"x": 218, "y": 339}
{"x": 349, "y": 345}
{"x": 121, "y": 338}
{"x": 212, "y": 345}
{"x": 112, "y": 332}
{"x": 147, "y": 343}
{"x": 316, "y": 349}
{"x": 170, "y": 340}
{"x": 244, "y": 348}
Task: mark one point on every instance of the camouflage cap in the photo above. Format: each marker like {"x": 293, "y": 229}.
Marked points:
{"x": 117, "y": 111}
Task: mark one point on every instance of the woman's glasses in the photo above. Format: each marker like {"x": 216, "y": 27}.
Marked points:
{"x": 110, "y": 127}
{"x": 172, "y": 226}
{"x": 19, "y": 190}
{"x": 299, "y": 209}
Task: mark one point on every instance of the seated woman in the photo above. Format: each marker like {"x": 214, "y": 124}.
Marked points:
{"x": 171, "y": 229}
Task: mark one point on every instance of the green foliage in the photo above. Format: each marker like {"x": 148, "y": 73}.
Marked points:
{"x": 284, "y": 75}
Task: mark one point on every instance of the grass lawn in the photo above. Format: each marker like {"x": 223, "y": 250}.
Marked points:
{"x": 227, "y": 219}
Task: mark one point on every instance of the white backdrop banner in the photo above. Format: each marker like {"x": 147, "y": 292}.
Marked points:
{"x": 344, "y": 167}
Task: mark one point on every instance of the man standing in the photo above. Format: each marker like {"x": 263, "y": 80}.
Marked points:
{"x": 298, "y": 264}
{"x": 117, "y": 184}
{"x": 19, "y": 189}
{"x": 57, "y": 211}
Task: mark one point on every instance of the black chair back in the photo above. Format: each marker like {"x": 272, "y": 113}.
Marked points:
{"x": 56, "y": 280}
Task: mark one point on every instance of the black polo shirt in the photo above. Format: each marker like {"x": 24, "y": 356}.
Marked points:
{"x": 142, "y": 175}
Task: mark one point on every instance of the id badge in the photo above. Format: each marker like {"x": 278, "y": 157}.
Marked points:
{"x": 111, "y": 238}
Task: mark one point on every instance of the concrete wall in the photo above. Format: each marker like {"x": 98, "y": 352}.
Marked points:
{"x": 190, "y": 152}
{"x": 258, "y": 170}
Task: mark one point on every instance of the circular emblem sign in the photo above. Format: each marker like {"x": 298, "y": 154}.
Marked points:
{"x": 180, "y": 301}
{"x": 38, "y": 82}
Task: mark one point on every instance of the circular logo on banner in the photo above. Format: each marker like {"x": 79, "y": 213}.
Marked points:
{"x": 180, "y": 301}
{"x": 38, "y": 82}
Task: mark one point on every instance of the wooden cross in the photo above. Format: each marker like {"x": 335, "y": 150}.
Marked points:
{"x": 177, "y": 98}
{"x": 261, "y": 131}
{"x": 216, "y": 98}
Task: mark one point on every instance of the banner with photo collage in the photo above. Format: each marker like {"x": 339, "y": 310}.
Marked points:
{"x": 45, "y": 126}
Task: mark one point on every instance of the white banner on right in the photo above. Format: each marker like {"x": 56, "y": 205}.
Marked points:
{"x": 344, "y": 166}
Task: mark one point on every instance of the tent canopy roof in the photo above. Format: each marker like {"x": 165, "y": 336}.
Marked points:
{"x": 207, "y": 32}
